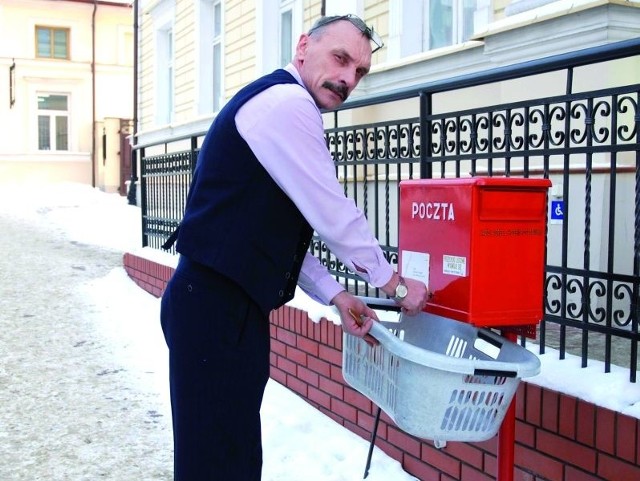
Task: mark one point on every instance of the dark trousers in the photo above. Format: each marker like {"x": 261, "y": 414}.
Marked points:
{"x": 219, "y": 365}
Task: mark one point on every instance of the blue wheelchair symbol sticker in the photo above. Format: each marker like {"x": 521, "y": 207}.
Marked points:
{"x": 557, "y": 211}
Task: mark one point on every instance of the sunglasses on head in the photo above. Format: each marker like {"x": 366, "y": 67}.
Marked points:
{"x": 356, "y": 22}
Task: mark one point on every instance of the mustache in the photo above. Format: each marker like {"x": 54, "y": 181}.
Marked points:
{"x": 339, "y": 89}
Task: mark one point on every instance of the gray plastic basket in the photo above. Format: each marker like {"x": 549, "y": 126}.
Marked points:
{"x": 438, "y": 378}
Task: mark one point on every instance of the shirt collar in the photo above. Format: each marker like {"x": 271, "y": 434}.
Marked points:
{"x": 293, "y": 71}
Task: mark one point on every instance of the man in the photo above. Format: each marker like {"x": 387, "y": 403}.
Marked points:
{"x": 264, "y": 182}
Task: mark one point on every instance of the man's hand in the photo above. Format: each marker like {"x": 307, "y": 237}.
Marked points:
{"x": 357, "y": 318}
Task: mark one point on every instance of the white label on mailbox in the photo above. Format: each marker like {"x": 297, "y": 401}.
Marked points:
{"x": 487, "y": 348}
{"x": 415, "y": 265}
{"x": 454, "y": 265}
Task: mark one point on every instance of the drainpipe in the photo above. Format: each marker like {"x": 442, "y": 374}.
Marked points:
{"x": 93, "y": 93}
{"x": 132, "y": 194}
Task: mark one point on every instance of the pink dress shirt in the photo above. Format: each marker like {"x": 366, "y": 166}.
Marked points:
{"x": 284, "y": 128}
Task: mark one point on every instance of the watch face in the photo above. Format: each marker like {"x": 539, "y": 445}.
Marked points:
{"x": 401, "y": 291}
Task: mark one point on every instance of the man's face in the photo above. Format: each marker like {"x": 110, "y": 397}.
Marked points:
{"x": 332, "y": 62}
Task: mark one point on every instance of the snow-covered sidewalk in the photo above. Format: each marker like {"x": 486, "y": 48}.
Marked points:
{"x": 83, "y": 378}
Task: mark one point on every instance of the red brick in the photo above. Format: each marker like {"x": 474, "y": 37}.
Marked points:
{"x": 278, "y": 348}
{"x": 345, "y": 410}
{"x": 626, "y": 441}
{"x": 308, "y": 346}
{"x": 419, "y": 469}
{"x": 440, "y": 460}
{"x": 585, "y": 428}
{"x": 533, "y": 404}
{"x": 366, "y": 421}
{"x": 354, "y": 428}
{"x": 605, "y": 430}
{"x": 308, "y": 376}
{"x": 330, "y": 355}
{"x": 297, "y": 385}
{"x": 520, "y": 475}
{"x": 331, "y": 387}
{"x": 334, "y": 417}
{"x": 338, "y": 335}
{"x": 406, "y": 443}
{"x": 285, "y": 312}
{"x": 304, "y": 327}
{"x": 614, "y": 469}
{"x": 314, "y": 333}
{"x": 538, "y": 463}
{"x": 299, "y": 319}
{"x": 319, "y": 397}
{"x": 520, "y": 400}
{"x": 389, "y": 449}
{"x": 573, "y": 474}
{"x": 278, "y": 375}
{"x": 566, "y": 450}
{"x": 550, "y": 403}
{"x": 468, "y": 453}
{"x": 567, "y": 420}
{"x": 287, "y": 366}
{"x": 296, "y": 355}
{"x": 490, "y": 464}
{"x": 638, "y": 443}
{"x": 275, "y": 316}
{"x": 324, "y": 327}
{"x": 317, "y": 365}
{"x": 336, "y": 374}
{"x": 285, "y": 336}
{"x": 525, "y": 433}
{"x": 490, "y": 445}
{"x": 356, "y": 399}
{"x": 467, "y": 473}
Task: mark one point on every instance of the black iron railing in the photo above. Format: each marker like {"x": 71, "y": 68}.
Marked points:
{"x": 585, "y": 140}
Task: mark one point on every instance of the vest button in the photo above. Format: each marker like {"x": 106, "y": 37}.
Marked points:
{"x": 287, "y": 275}
{"x": 281, "y": 293}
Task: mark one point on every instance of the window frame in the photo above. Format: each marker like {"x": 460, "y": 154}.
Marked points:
{"x": 52, "y": 31}
{"x": 456, "y": 36}
{"x": 164, "y": 64}
{"x": 287, "y": 7}
{"x": 53, "y": 117}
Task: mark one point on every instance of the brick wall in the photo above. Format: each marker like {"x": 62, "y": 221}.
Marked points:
{"x": 558, "y": 437}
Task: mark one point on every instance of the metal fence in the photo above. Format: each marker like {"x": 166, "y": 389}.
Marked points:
{"x": 586, "y": 140}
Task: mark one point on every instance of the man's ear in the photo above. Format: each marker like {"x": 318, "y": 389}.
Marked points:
{"x": 301, "y": 48}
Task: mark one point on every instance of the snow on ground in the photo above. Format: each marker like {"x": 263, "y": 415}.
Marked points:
{"x": 299, "y": 441}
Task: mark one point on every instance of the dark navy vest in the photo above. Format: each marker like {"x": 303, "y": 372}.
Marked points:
{"x": 237, "y": 220}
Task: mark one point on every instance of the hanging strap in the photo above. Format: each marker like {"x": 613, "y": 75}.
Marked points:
{"x": 171, "y": 240}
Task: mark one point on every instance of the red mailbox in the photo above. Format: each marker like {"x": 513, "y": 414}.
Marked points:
{"x": 479, "y": 243}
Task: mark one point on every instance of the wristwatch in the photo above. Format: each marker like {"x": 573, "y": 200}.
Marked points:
{"x": 401, "y": 290}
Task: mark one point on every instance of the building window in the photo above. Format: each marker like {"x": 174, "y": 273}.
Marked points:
{"x": 52, "y": 42}
{"x": 286, "y": 32}
{"x": 448, "y": 22}
{"x": 279, "y": 23}
{"x": 53, "y": 122}
{"x": 165, "y": 107}
{"x": 210, "y": 77}
{"x": 216, "y": 44}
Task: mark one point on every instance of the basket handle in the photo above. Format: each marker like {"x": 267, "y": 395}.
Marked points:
{"x": 494, "y": 372}
{"x": 446, "y": 363}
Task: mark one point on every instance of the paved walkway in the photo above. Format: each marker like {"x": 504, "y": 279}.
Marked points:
{"x": 69, "y": 409}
